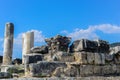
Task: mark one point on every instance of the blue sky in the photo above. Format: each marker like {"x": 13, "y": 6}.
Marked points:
{"x": 91, "y": 19}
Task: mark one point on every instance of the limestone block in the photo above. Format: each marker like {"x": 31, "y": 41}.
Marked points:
{"x": 115, "y": 50}
{"x": 103, "y": 46}
{"x": 76, "y": 46}
{"x": 99, "y": 58}
{"x": 71, "y": 71}
{"x": 44, "y": 68}
{"x": 102, "y": 58}
{"x": 41, "y": 49}
{"x": 67, "y": 59}
{"x": 59, "y": 72}
{"x": 106, "y": 70}
{"x": 90, "y": 58}
{"x": 32, "y": 58}
{"x": 109, "y": 69}
{"x": 64, "y": 57}
{"x": 48, "y": 57}
{"x": 86, "y": 70}
{"x": 109, "y": 58}
{"x": 84, "y": 45}
{"x": 98, "y": 70}
{"x": 114, "y": 69}
{"x": 118, "y": 69}
{"x": 81, "y": 57}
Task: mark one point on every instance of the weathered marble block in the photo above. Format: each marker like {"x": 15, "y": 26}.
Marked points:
{"x": 64, "y": 57}
{"x": 102, "y": 58}
{"x": 32, "y": 58}
{"x": 44, "y": 68}
{"x": 40, "y": 49}
{"x": 97, "y": 70}
{"x": 81, "y": 57}
{"x": 67, "y": 59}
{"x": 99, "y": 58}
{"x": 86, "y": 70}
{"x": 109, "y": 70}
{"x": 118, "y": 69}
{"x": 90, "y": 58}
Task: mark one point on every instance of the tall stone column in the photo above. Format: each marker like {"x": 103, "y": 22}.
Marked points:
{"x": 27, "y": 43}
{"x": 8, "y": 44}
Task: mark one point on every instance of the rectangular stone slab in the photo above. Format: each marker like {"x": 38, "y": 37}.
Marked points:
{"x": 44, "y": 68}
{"x": 81, "y": 57}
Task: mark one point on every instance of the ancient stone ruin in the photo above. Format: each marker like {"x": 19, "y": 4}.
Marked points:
{"x": 58, "y": 43}
{"x": 60, "y": 58}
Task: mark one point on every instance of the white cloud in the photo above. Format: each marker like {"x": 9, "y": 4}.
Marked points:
{"x": 107, "y": 28}
{"x": 90, "y": 32}
{"x": 83, "y": 33}
{"x": 18, "y": 39}
{"x": 38, "y": 37}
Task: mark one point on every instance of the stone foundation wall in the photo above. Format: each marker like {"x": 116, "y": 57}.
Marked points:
{"x": 58, "y": 69}
{"x": 71, "y": 78}
{"x": 83, "y": 64}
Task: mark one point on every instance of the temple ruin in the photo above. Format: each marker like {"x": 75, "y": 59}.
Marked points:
{"x": 60, "y": 57}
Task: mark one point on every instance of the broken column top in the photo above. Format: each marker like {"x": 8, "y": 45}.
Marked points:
{"x": 9, "y": 23}
{"x": 28, "y": 33}
{"x": 10, "y": 26}
{"x": 9, "y": 29}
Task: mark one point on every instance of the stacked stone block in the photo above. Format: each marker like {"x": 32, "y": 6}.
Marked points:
{"x": 90, "y": 58}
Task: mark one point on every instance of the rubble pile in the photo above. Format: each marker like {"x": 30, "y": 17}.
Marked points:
{"x": 82, "y": 58}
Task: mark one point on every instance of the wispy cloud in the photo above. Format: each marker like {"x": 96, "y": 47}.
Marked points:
{"x": 38, "y": 38}
{"x": 90, "y": 32}
{"x": 107, "y": 28}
